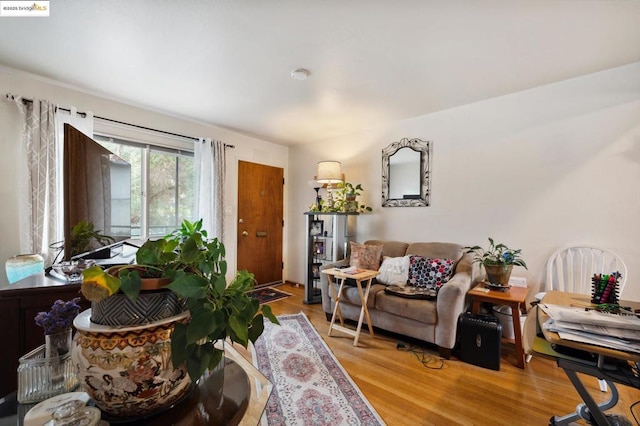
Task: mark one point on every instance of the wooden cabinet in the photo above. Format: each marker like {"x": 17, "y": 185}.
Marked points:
{"x": 327, "y": 241}
{"x": 19, "y": 333}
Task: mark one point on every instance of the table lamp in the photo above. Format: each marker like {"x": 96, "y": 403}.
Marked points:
{"x": 329, "y": 173}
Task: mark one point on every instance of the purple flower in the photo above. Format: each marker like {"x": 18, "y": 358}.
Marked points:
{"x": 60, "y": 317}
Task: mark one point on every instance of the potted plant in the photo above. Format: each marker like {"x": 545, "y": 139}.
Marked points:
{"x": 498, "y": 261}
{"x": 84, "y": 235}
{"x": 196, "y": 270}
{"x": 344, "y": 200}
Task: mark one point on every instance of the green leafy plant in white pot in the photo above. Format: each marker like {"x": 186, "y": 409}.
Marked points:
{"x": 346, "y": 199}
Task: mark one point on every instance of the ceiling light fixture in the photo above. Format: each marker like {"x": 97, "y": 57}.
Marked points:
{"x": 300, "y": 74}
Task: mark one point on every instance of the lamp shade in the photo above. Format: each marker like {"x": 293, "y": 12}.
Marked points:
{"x": 329, "y": 172}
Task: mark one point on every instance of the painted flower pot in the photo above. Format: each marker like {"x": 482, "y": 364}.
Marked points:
{"x": 127, "y": 371}
{"x": 150, "y": 306}
{"x": 147, "y": 283}
{"x": 498, "y": 274}
{"x": 351, "y": 205}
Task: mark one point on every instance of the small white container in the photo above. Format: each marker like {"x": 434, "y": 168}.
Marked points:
{"x": 503, "y": 313}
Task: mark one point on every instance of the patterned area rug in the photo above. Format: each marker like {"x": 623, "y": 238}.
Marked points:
{"x": 268, "y": 294}
{"x": 310, "y": 385}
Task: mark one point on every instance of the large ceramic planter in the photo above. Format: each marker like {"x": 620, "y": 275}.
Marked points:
{"x": 127, "y": 371}
{"x": 498, "y": 275}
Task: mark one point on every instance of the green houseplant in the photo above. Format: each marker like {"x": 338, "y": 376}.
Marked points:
{"x": 84, "y": 237}
{"x": 344, "y": 200}
{"x": 498, "y": 261}
{"x": 197, "y": 269}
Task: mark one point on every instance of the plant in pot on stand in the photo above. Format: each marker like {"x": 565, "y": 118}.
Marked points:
{"x": 346, "y": 199}
{"x": 498, "y": 261}
{"x": 142, "y": 369}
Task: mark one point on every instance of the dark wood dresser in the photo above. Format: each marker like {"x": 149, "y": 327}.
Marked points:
{"x": 19, "y": 334}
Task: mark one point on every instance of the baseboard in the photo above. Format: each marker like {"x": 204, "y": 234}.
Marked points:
{"x": 293, "y": 283}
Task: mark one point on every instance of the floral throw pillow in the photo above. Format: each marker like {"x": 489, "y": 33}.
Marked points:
{"x": 394, "y": 270}
{"x": 365, "y": 256}
{"x": 429, "y": 273}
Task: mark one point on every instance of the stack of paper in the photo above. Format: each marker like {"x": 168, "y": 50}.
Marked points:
{"x": 351, "y": 270}
{"x": 621, "y": 332}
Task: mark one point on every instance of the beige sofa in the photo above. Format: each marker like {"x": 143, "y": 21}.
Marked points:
{"x": 433, "y": 321}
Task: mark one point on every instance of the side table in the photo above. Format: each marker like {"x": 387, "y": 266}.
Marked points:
{"x": 515, "y": 298}
{"x": 360, "y": 276}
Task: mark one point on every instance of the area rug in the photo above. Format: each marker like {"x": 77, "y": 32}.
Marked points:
{"x": 310, "y": 385}
{"x": 268, "y": 294}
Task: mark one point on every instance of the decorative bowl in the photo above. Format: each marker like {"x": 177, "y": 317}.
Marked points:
{"x": 127, "y": 371}
{"x": 71, "y": 270}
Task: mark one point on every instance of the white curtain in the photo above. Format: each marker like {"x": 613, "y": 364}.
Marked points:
{"x": 37, "y": 180}
{"x": 210, "y": 166}
{"x": 84, "y": 123}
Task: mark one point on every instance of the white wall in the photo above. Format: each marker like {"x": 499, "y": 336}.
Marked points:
{"x": 246, "y": 149}
{"x": 535, "y": 170}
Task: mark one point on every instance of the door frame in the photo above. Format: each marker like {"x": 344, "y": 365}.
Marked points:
{"x": 231, "y": 206}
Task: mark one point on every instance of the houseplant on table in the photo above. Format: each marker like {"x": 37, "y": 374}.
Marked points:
{"x": 197, "y": 271}
{"x": 498, "y": 261}
{"x": 344, "y": 200}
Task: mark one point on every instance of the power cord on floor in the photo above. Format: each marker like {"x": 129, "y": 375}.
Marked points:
{"x": 428, "y": 360}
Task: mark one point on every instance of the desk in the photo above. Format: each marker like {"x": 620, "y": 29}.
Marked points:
{"x": 515, "y": 298}
{"x": 538, "y": 342}
{"x": 362, "y": 275}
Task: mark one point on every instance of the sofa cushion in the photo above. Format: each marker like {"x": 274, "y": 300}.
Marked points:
{"x": 394, "y": 270}
{"x": 390, "y": 248}
{"x": 429, "y": 273}
{"x": 365, "y": 256}
{"x": 437, "y": 250}
{"x": 415, "y": 309}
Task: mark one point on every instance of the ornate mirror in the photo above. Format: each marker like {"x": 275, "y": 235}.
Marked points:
{"x": 405, "y": 174}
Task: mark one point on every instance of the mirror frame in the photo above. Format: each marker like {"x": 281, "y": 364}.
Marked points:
{"x": 419, "y": 146}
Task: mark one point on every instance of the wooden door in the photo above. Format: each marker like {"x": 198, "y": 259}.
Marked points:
{"x": 260, "y": 221}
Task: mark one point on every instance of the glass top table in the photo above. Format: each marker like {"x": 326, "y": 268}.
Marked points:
{"x": 243, "y": 398}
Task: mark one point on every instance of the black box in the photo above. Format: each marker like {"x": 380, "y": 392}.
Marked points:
{"x": 480, "y": 337}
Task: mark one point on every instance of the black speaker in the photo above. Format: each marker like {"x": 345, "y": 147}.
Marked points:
{"x": 480, "y": 337}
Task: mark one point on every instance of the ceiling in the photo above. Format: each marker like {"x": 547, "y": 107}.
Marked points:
{"x": 229, "y": 62}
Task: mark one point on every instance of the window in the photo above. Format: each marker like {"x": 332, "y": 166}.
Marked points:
{"x": 162, "y": 188}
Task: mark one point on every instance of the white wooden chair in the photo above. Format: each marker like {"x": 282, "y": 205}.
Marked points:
{"x": 571, "y": 268}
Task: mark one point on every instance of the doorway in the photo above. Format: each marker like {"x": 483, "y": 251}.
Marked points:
{"x": 260, "y": 221}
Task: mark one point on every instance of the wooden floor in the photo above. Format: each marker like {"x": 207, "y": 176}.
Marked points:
{"x": 404, "y": 392}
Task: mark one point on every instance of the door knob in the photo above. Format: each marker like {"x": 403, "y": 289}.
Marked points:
{"x": 245, "y": 233}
